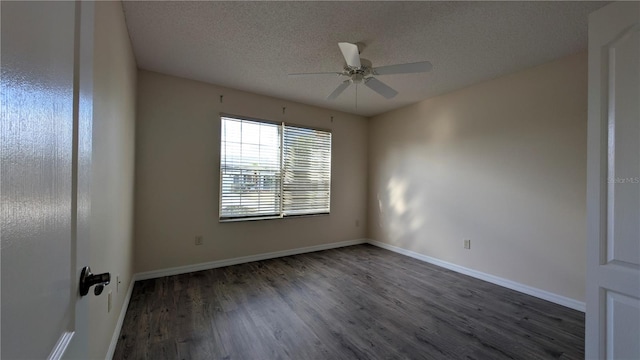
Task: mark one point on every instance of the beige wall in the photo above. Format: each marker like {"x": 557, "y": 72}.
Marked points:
{"x": 502, "y": 163}
{"x": 177, "y": 176}
{"x": 113, "y": 168}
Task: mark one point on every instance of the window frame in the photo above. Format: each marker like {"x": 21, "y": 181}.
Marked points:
{"x": 281, "y": 125}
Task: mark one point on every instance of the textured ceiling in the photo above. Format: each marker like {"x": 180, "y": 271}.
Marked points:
{"x": 252, "y": 46}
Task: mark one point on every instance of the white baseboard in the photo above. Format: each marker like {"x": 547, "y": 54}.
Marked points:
{"x": 241, "y": 260}
{"x": 123, "y": 312}
{"x": 545, "y": 295}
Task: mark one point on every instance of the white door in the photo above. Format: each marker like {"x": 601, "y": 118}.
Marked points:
{"x": 613, "y": 184}
{"x": 46, "y": 107}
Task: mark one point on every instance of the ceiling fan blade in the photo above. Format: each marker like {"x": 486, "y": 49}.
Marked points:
{"x": 410, "y": 68}
{"x": 380, "y": 87}
{"x": 318, "y": 73}
{"x": 345, "y": 84}
{"x": 351, "y": 54}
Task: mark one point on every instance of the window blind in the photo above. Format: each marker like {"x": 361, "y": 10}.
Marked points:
{"x": 249, "y": 169}
{"x": 306, "y": 171}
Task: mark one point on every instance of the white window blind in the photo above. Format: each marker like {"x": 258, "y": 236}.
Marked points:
{"x": 307, "y": 171}
{"x": 249, "y": 169}
{"x": 273, "y": 170}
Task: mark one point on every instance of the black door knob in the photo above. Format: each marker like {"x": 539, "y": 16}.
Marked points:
{"x": 87, "y": 280}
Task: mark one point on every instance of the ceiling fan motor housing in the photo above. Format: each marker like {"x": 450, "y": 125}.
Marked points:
{"x": 358, "y": 75}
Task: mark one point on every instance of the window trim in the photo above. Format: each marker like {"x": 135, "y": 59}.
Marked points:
{"x": 282, "y": 124}
{"x": 286, "y": 123}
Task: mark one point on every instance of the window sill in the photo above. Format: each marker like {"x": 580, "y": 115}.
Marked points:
{"x": 232, "y": 220}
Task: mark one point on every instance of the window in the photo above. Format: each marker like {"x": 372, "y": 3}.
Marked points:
{"x": 273, "y": 170}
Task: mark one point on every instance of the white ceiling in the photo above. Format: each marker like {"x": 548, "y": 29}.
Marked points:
{"x": 252, "y": 46}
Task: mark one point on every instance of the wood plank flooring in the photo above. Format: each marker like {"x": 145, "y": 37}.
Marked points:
{"x": 358, "y": 302}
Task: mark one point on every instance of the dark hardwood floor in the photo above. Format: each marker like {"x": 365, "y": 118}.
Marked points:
{"x": 358, "y": 302}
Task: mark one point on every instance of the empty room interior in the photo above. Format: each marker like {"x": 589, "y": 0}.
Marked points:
{"x": 336, "y": 180}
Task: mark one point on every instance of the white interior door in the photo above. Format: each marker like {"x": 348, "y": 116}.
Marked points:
{"x": 46, "y": 61}
{"x": 613, "y": 198}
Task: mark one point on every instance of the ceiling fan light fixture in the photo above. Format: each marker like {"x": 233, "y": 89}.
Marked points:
{"x": 357, "y": 78}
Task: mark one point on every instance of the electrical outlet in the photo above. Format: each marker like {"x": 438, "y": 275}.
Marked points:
{"x": 199, "y": 240}
{"x": 117, "y": 284}
{"x": 109, "y": 301}
{"x": 467, "y": 244}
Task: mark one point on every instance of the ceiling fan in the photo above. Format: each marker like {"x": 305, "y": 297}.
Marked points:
{"x": 361, "y": 71}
